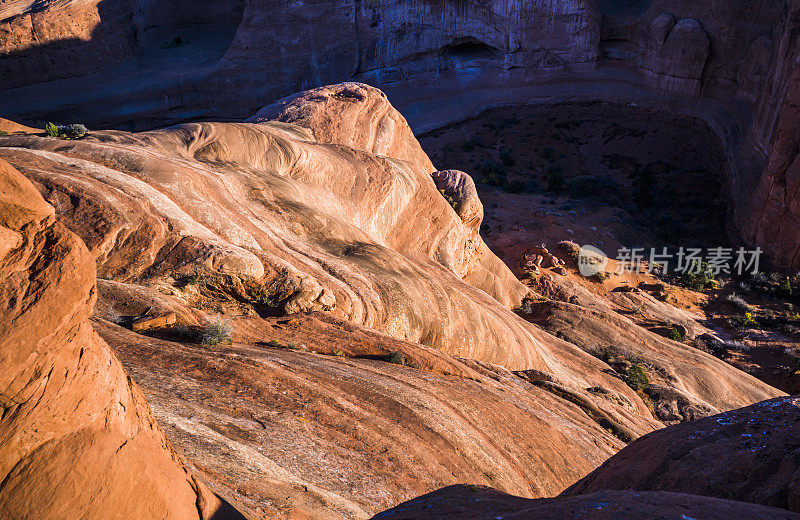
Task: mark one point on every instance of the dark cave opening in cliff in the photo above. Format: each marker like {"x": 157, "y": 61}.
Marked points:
{"x": 596, "y": 173}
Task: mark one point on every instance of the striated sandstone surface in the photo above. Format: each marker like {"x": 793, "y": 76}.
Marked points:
{"x": 78, "y": 438}
{"x": 289, "y": 431}
{"x": 339, "y": 221}
{"x": 329, "y": 227}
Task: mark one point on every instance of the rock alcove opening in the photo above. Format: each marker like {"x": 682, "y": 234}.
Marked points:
{"x": 617, "y": 174}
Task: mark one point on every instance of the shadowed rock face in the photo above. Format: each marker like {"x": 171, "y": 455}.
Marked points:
{"x": 748, "y": 454}
{"x": 477, "y": 503}
{"x": 78, "y": 438}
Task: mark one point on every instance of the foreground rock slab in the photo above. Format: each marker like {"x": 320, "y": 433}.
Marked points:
{"x": 479, "y": 503}
{"x": 77, "y": 438}
{"x": 285, "y": 430}
{"x": 750, "y": 454}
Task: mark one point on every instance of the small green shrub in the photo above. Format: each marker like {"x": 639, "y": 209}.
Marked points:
{"x": 600, "y": 277}
{"x": 470, "y": 144}
{"x": 605, "y": 354}
{"x": 674, "y": 334}
{"x": 506, "y": 158}
{"x": 636, "y": 378}
{"x": 395, "y": 357}
{"x": 339, "y": 353}
{"x": 216, "y": 332}
{"x": 184, "y": 280}
{"x": 515, "y": 186}
{"x": 448, "y": 198}
{"x": 571, "y": 249}
{"x": 493, "y": 174}
{"x": 784, "y": 289}
{"x": 72, "y": 131}
{"x": 749, "y": 320}
{"x": 700, "y": 280}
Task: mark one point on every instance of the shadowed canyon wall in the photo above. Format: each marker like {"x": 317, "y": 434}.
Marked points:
{"x": 143, "y": 64}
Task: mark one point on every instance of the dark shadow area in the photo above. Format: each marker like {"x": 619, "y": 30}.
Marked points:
{"x": 624, "y": 8}
{"x": 130, "y": 47}
{"x": 644, "y": 176}
{"x": 227, "y": 512}
{"x": 466, "y": 52}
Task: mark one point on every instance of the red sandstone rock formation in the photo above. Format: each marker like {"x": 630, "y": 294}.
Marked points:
{"x": 327, "y": 227}
{"x": 748, "y": 455}
{"x": 288, "y": 429}
{"x": 77, "y": 438}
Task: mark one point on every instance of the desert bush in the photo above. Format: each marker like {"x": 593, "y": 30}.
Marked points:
{"x": 785, "y": 288}
{"x": 529, "y": 303}
{"x": 700, "y": 280}
{"x": 748, "y": 321}
{"x": 261, "y": 296}
{"x": 555, "y": 177}
{"x": 674, "y": 334}
{"x": 71, "y": 131}
{"x": 571, "y": 249}
{"x": 605, "y": 354}
{"x": 506, "y": 158}
{"x": 600, "y": 277}
{"x": 216, "y": 332}
{"x": 738, "y": 302}
{"x": 636, "y": 378}
{"x": 515, "y": 186}
{"x": 493, "y": 174}
{"x": 395, "y": 357}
